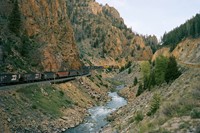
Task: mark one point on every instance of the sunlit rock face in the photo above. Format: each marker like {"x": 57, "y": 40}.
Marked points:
{"x": 102, "y": 36}
{"x": 47, "y": 25}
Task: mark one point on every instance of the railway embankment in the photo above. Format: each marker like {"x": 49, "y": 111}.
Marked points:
{"x": 50, "y": 108}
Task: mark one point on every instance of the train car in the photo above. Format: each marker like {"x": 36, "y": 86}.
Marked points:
{"x": 30, "y": 77}
{"x": 62, "y": 74}
{"x": 99, "y": 67}
{"x": 73, "y": 73}
{"x": 96, "y": 67}
{"x": 9, "y": 78}
{"x": 48, "y": 75}
{"x": 85, "y": 71}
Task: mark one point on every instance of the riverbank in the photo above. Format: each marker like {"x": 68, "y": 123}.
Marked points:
{"x": 50, "y": 108}
{"x": 177, "y": 107}
{"x": 98, "y": 114}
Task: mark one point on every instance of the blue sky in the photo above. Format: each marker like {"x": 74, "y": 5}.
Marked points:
{"x": 154, "y": 16}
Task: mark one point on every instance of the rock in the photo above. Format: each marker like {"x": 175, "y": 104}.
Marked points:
{"x": 64, "y": 118}
{"x": 9, "y": 120}
{"x": 63, "y": 129}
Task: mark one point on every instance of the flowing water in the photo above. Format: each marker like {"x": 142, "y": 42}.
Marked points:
{"x": 97, "y": 118}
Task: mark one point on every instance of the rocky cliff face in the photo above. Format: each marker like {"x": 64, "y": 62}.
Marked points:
{"x": 44, "y": 39}
{"x": 187, "y": 52}
{"x": 163, "y": 51}
{"x": 102, "y": 35}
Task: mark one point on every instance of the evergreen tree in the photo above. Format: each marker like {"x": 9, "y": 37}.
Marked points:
{"x": 15, "y": 19}
{"x": 155, "y": 105}
{"x": 172, "y": 71}
{"x": 153, "y": 81}
{"x": 140, "y": 90}
{"x": 135, "y": 81}
{"x": 191, "y": 28}
{"x": 129, "y": 70}
{"x": 160, "y": 69}
{"x": 146, "y": 83}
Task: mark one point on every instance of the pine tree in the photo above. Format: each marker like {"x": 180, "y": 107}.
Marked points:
{"x": 135, "y": 81}
{"x": 140, "y": 90}
{"x": 172, "y": 71}
{"x": 15, "y": 19}
{"x": 160, "y": 69}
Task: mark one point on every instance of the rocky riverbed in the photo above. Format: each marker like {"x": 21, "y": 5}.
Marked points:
{"x": 97, "y": 115}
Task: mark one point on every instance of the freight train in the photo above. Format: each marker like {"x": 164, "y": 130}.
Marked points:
{"x": 7, "y": 79}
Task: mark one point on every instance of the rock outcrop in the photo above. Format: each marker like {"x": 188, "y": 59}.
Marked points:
{"x": 163, "y": 51}
{"x": 101, "y": 34}
{"x": 44, "y": 34}
{"x": 186, "y": 52}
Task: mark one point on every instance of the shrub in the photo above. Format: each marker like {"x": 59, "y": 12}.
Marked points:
{"x": 34, "y": 107}
{"x": 146, "y": 68}
{"x": 138, "y": 47}
{"x": 129, "y": 70}
{"x": 195, "y": 113}
{"x": 155, "y": 104}
{"x": 180, "y": 108}
{"x": 139, "y": 117}
{"x": 135, "y": 81}
{"x": 61, "y": 93}
{"x": 169, "y": 110}
{"x": 121, "y": 69}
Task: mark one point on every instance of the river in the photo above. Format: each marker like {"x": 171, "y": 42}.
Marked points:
{"x": 97, "y": 118}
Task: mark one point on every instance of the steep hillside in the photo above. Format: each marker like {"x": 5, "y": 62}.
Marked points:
{"x": 101, "y": 34}
{"x": 50, "y": 108}
{"x": 177, "y": 108}
{"x": 36, "y": 36}
{"x": 186, "y": 52}
{"x": 163, "y": 51}
{"x": 190, "y": 29}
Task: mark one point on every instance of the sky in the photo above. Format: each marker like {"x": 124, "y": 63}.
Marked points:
{"x": 154, "y": 17}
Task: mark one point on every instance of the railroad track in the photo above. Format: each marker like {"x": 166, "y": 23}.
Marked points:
{"x": 54, "y": 81}
{"x": 190, "y": 65}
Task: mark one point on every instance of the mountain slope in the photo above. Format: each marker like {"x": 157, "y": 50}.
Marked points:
{"x": 190, "y": 29}
{"x": 38, "y": 35}
{"x": 178, "y": 109}
{"x": 102, "y": 35}
{"x": 186, "y": 52}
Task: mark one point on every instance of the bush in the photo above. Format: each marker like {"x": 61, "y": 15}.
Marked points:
{"x": 135, "y": 81}
{"x": 121, "y": 69}
{"x": 155, "y": 104}
{"x": 169, "y": 110}
{"x": 61, "y": 93}
{"x": 139, "y": 117}
{"x": 129, "y": 70}
{"x": 146, "y": 68}
{"x": 34, "y": 107}
{"x": 195, "y": 113}
{"x": 181, "y": 108}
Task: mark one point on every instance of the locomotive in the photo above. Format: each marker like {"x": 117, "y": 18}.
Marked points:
{"x": 6, "y": 79}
